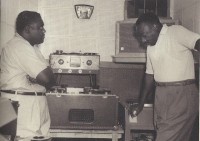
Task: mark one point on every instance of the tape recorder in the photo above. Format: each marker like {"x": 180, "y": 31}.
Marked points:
{"x": 86, "y": 109}
{"x": 74, "y": 63}
{"x": 83, "y": 111}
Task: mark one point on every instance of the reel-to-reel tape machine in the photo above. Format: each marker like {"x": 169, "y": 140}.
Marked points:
{"x": 74, "y": 63}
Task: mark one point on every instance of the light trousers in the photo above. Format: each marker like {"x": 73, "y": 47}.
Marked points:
{"x": 33, "y": 115}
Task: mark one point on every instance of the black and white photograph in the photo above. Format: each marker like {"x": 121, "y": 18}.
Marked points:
{"x": 99, "y": 70}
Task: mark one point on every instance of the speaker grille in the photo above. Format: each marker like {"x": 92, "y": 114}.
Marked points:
{"x": 81, "y": 115}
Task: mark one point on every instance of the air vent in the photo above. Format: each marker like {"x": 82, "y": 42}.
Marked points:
{"x": 81, "y": 116}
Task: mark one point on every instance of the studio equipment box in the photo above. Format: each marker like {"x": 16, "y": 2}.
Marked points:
{"x": 83, "y": 111}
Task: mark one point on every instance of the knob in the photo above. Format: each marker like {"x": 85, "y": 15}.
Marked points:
{"x": 69, "y": 71}
{"x": 80, "y": 71}
{"x": 59, "y": 52}
{"x": 60, "y": 61}
{"x": 59, "y": 70}
{"x": 89, "y": 62}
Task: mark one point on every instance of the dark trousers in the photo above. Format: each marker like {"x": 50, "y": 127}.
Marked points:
{"x": 176, "y": 108}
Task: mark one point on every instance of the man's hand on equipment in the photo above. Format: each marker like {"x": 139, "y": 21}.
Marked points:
{"x": 135, "y": 109}
{"x": 31, "y": 80}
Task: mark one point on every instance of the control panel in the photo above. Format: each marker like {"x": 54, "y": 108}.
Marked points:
{"x": 75, "y": 63}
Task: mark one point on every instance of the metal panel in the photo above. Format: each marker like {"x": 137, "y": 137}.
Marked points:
{"x": 103, "y": 108}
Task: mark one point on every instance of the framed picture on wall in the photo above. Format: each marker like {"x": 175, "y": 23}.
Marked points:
{"x": 84, "y": 11}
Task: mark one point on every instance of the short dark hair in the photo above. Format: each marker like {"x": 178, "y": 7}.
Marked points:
{"x": 26, "y": 18}
{"x": 149, "y": 18}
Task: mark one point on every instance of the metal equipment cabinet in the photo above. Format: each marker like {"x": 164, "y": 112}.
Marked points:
{"x": 144, "y": 121}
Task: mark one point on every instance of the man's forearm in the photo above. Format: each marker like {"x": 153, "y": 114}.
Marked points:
{"x": 147, "y": 87}
{"x": 46, "y": 78}
{"x": 197, "y": 45}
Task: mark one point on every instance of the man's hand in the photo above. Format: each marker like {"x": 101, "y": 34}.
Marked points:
{"x": 31, "y": 80}
{"x": 135, "y": 109}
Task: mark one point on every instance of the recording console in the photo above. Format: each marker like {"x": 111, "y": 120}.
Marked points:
{"x": 80, "y": 108}
{"x": 74, "y": 63}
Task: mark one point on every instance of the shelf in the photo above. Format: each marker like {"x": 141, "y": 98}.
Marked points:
{"x": 130, "y": 58}
{"x": 108, "y": 134}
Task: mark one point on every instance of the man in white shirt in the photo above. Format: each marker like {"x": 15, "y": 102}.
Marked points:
{"x": 170, "y": 64}
{"x": 25, "y": 75}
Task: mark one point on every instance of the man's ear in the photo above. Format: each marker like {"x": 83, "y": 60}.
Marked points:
{"x": 27, "y": 29}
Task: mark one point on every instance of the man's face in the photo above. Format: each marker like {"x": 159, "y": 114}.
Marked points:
{"x": 147, "y": 34}
{"x": 36, "y": 32}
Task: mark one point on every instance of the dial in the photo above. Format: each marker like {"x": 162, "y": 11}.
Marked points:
{"x": 60, "y": 61}
{"x": 89, "y": 62}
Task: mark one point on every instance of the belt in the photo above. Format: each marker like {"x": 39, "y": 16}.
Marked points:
{"x": 176, "y": 83}
{"x": 24, "y": 93}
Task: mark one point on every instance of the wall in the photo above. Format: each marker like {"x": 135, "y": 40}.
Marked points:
{"x": 9, "y": 12}
{"x": 64, "y": 30}
{"x": 70, "y": 34}
{"x": 188, "y": 13}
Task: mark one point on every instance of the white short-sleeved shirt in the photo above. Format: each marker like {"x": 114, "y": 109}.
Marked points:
{"x": 171, "y": 58}
{"x": 18, "y": 60}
